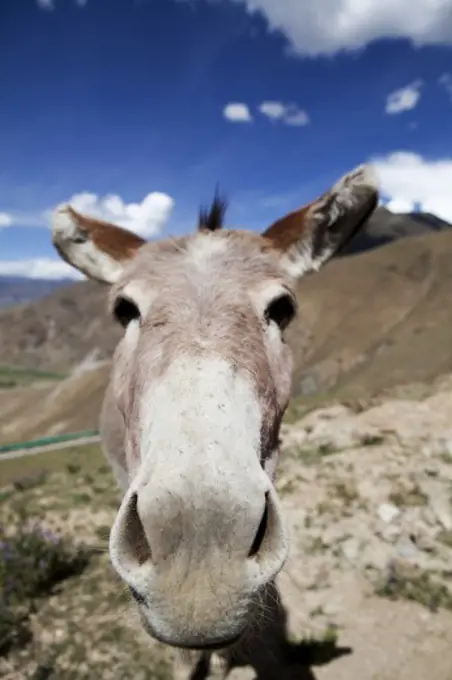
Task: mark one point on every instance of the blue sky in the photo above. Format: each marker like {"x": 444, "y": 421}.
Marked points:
{"x": 134, "y": 109}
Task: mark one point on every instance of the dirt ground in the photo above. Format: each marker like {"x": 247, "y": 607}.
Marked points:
{"x": 367, "y": 590}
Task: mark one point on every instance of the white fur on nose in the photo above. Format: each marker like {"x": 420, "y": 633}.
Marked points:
{"x": 201, "y": 487}
{"x": 200, "y": 498}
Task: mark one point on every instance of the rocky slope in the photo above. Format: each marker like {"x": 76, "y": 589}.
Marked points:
{"x": 384, "y": 227}
{"x": 368, "y": 496}
{"x": 366, "y": 592}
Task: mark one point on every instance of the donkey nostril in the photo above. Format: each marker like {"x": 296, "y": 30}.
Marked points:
{"x": 261, "y": 531}
{"x": 134, "y": 535}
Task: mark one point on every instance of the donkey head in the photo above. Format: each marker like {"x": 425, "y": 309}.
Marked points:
{"x": 199, "y": 384}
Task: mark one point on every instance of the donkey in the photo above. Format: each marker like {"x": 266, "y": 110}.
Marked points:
{"x": 199, "y": 384}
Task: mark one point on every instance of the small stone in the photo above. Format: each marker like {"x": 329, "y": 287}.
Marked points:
{"x": 442, "y": 513}
{"x": 390, "y": 533}
{"x": 333, "y": 534}
{"x": 331, "y": 608}
{"x": 376, "y": 556}
{"x": 307, "y": 474}
{"x": 388, "y": 512}
{"x": 350, "y": 549}
{"x": 246, "y": 673}
{"x": 424, "y": 541}
{"x": 406, "y": 549}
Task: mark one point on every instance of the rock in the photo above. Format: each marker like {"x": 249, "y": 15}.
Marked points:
{"x": 390, "y": 533}
{"x": 331, "y": 608}
{"x": 441, "y": 510}
{"x": 376, "y": 556}
{"x": 388, "y": 512}
{"x": 447, "y": 446}
{"x": 406, "y": 549}
{"x": 246, "y": 673}
{"x": 307, "y": 474}
{"x": 351, "y": 549}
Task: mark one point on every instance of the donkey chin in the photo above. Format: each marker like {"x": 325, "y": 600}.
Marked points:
{"x": 203, "y": 594}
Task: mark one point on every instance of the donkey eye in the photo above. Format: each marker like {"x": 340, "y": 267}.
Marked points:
{"x": 125, "y": 311}
{"x": 281, "y": 311}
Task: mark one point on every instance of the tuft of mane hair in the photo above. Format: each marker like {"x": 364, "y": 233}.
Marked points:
{"x": 213, "y": 217}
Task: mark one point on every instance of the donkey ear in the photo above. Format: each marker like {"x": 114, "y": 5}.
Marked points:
{"x": 96, "y": 248}
{"x": 308, "y": 237}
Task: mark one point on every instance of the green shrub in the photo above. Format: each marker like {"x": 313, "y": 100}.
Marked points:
{"x": 30, "y": 482}
{"x": 32, "y": 561}
{"x": 14, "y": 628}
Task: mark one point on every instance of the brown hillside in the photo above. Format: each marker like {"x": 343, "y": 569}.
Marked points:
{"x": 378, "y": 319}
{"x": 50, "y": 409}
{"x": 367, "y": 323}
{"x": 60, "y": 330}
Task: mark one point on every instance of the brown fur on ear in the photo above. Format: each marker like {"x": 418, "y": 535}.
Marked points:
{"x": 115, "y": 241}
{"x": 212, "y": 219}
{"x": 314, "y": 233}
{"x": 288, "y": 229}
{"x": 94, "y": 247}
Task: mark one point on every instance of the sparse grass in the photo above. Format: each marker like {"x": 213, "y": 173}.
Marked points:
{"x": 30, "y": 481}
{"x": 14, "y": 376}
{"x": 84, "y": 628}
{"x": 326, "y": 507}
{"x": 408, "y": 497}
{"x": 310, "y": 456}
{"x": 317, "y": 611}
{"x": 407, "y": 582}
{"x": 372, "y": 440}
{"x": 103, "y": 532}
{"x": 345, "y": 491}
{"x": 287, "y": 486}
{"x": 301, "y": 406}
{"x": 32, "y": 561}
{"x": 81, "y": 498}
{"x": 315, "y": 546}
{"x": 83, "y": 458}
{"x": 446, "y": 538}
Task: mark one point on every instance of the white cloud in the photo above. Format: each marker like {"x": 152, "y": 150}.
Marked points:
{"x": 237, "y": 112}
{"x": 446, "y": 82}
{"x": 146, "y": 218}
{"x": 407, "y": 179}
{"x": 289, "y": 114}
{"x": 39, "y": 268}
{"x": 404, "y": 99}
{"x": 5, "y": 220}
{"x": 50, "y": 4}
{"x": 314, "y": 27}
{"x": 297, "y": 118}
{"x": 273, "y": 110}
{"x": 400, "y": 205}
